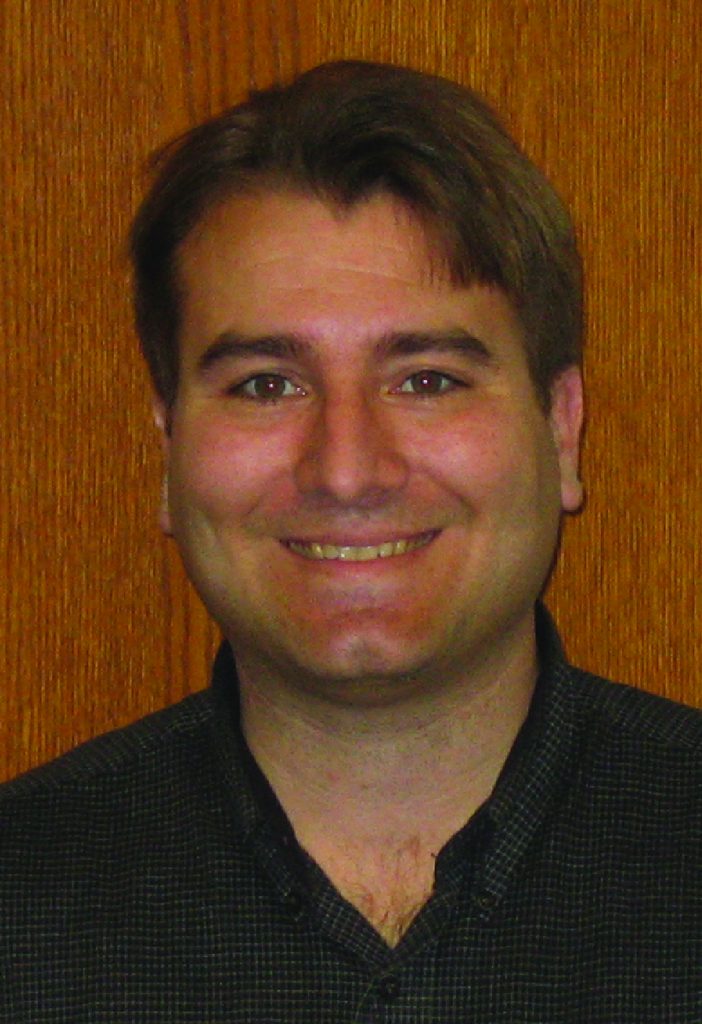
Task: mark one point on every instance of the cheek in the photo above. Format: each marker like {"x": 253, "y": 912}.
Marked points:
{"x": 217, "y": 470}
{"x": 480, "y": 458}
{"x": 502, "y": 465}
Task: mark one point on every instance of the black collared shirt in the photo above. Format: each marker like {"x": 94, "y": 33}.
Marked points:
{"x": 150, "y": 876}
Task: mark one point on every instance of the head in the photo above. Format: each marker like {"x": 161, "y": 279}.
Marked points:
{"x": 345, "y": 132}
{"x": 360, "y": 306}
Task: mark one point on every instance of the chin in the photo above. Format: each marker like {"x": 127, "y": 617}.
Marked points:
{"x": 370, "y": 670}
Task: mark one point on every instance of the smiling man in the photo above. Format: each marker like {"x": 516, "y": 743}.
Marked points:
{"x": 360, "y": 305}
{"x": 362, "y": 481}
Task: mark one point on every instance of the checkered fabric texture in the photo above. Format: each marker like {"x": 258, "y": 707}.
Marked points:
{"x": 150, "y": 878}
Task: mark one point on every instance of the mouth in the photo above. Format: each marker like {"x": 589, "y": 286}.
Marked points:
{"x": 317, "y": 552}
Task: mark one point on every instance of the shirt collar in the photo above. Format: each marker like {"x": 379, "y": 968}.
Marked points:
{"x": 544, "y": 740}
{"x": 536, "y": 772}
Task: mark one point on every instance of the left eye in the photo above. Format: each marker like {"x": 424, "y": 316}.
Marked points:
{"x": 267, "y": 387}
{"x": 428, "y": 382}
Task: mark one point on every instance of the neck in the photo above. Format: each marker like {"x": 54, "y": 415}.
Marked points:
{"x": 374, "y": 771}
{"x": 374, "y": 792}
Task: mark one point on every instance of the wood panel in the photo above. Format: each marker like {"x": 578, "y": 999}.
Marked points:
{"x": 97, "y": 622}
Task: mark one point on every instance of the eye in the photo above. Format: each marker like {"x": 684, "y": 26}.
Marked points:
{"x": 267, "y": 387}
{"x": 428, "y": 383}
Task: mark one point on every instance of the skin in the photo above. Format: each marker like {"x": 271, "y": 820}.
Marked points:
{"x": 338, "y": 392}
{"x": 353, "y": 453}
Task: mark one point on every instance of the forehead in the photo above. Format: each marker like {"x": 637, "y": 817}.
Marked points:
{"x": 284, "y": 262}
{"x": 262, "y": 229}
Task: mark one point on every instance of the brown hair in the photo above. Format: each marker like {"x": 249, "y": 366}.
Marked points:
{"x": 345, "y": 131}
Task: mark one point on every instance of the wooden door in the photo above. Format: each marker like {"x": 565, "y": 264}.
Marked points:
{"x": 97, "y": 623}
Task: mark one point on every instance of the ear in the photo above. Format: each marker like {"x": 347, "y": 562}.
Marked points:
{"x": 161, "y": 419}
{"x": 566, "y": 418}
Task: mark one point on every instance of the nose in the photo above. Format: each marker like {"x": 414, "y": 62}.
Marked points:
{"x": 350, "y": 453}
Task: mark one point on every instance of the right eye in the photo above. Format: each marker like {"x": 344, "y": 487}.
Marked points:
{"x": 267, "y": 387}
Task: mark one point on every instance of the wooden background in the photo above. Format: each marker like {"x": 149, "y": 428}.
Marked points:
{"x": 97, "y": 625}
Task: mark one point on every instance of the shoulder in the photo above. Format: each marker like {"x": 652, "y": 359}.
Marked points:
{"x": 120, "y": 798}
{"x": 114, "y": 755}
{"x": 603, "y": 712}
{"x": 618, "y": 710}
{"x": 638, "y": 760}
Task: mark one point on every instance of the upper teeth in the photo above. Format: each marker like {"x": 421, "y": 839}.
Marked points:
{"x": 353, "y": 553}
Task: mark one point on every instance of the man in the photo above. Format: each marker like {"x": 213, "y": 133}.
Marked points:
{"x": 360, "y": 305}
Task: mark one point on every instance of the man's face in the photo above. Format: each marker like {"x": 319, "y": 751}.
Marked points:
{"x": 361, "y": 481}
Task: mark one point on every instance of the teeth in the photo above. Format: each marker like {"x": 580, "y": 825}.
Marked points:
{"x": 351, "y": 553}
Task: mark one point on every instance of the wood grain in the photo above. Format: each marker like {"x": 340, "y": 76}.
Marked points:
{"x": 97, "y": 622}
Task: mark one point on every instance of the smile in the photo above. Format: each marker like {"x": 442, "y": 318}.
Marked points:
{"x": 359, "y": 553}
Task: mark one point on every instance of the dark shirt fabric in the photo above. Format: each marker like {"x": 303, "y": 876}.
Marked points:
{"x": 150, "y": 876}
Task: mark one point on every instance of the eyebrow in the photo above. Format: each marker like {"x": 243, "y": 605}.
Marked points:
{"x": 455, "y": 341}
{"x": 394, "y": 344}
{"x": 231, "y": 345}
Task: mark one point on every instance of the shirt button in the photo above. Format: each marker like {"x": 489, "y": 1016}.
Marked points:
{"x": 388, "y": 989}
{"x": 485, "y": 900}
{"x": 295, "y": 904}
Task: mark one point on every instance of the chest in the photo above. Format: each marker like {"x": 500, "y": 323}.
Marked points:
{"x": 387, "y": 886}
